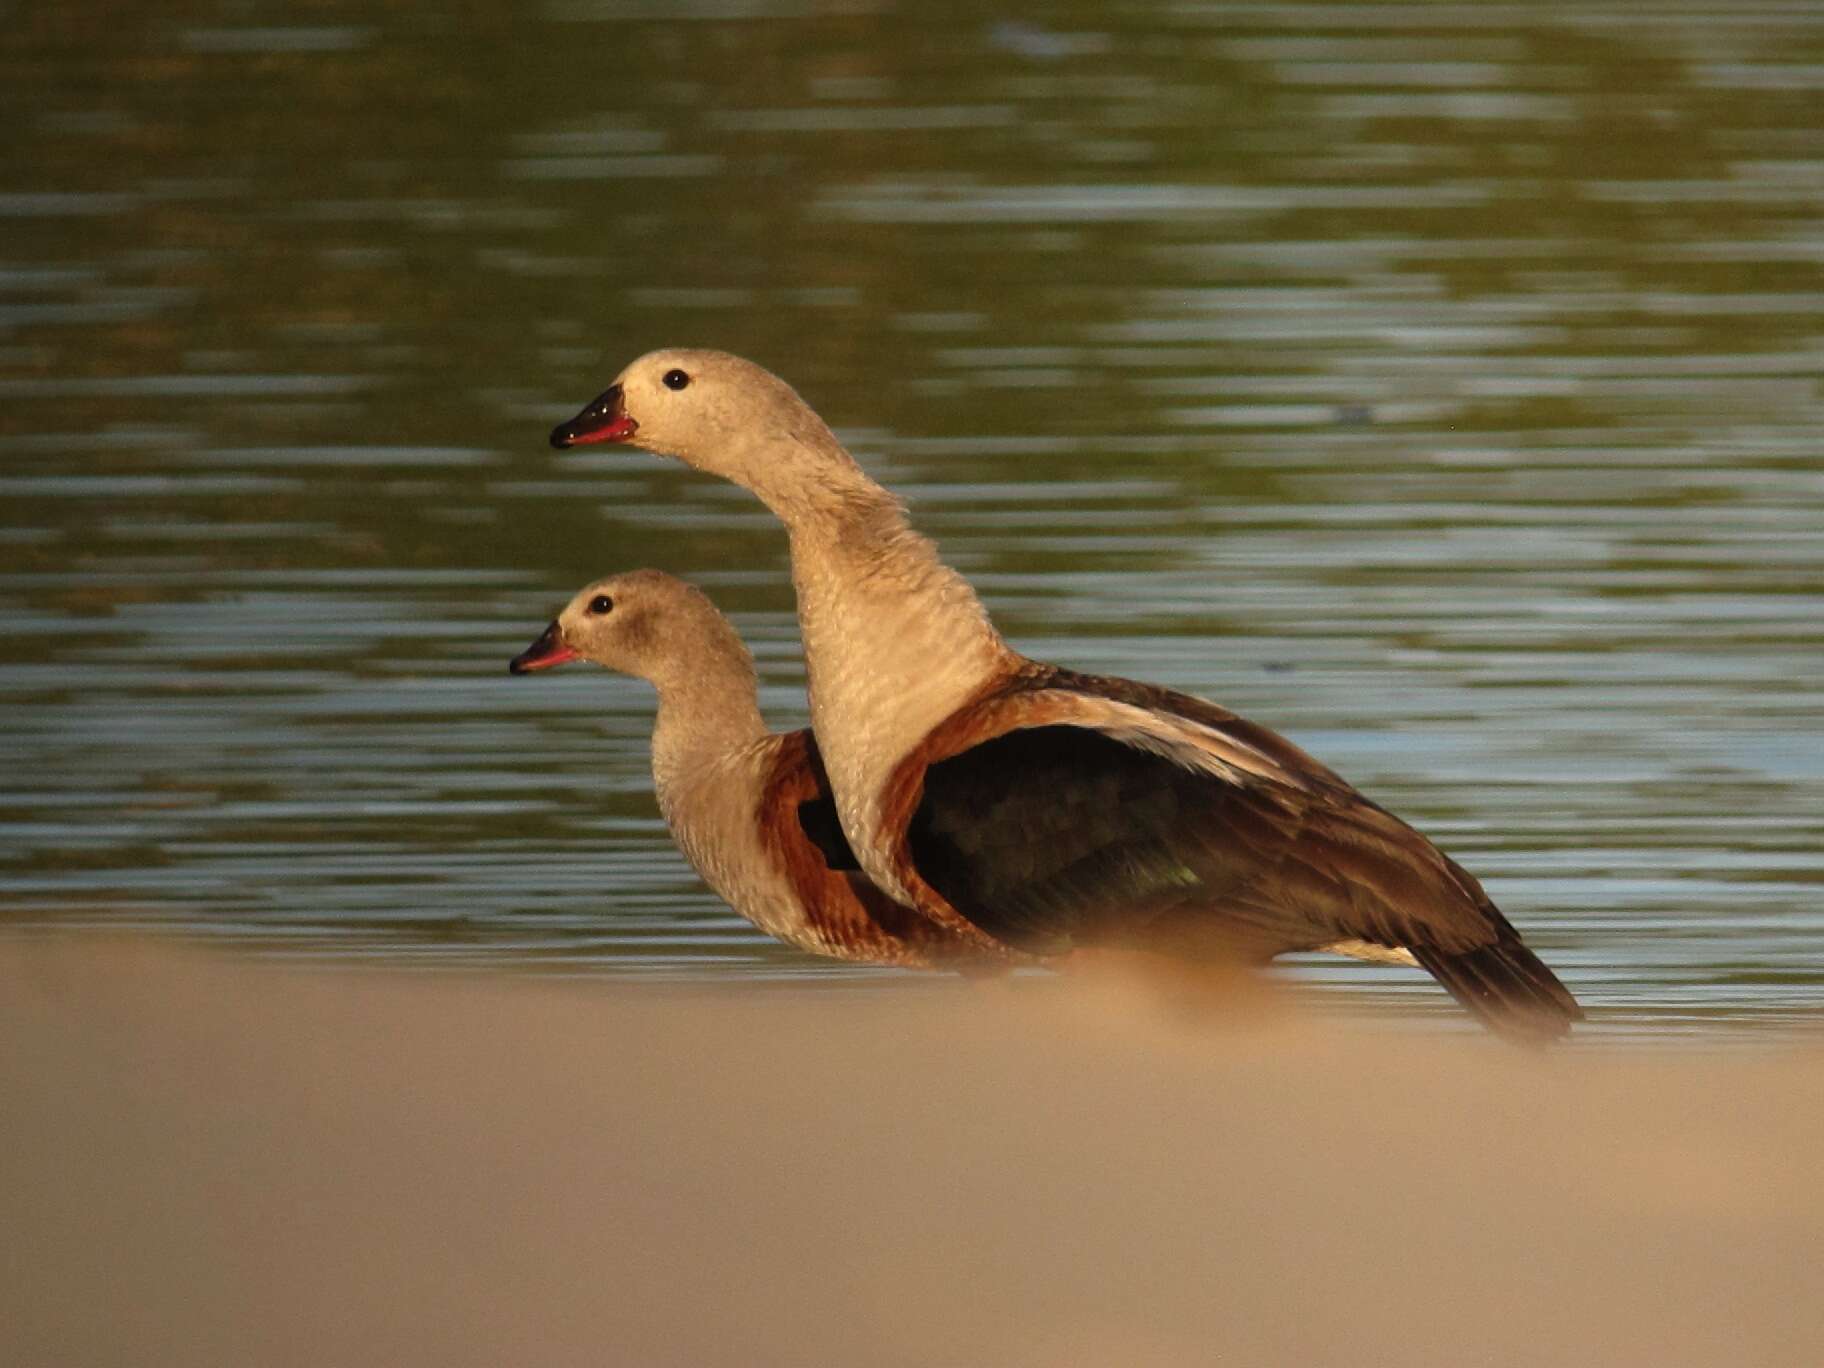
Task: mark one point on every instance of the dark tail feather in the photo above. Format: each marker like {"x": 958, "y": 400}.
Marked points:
{"x": 1506, "y": 987}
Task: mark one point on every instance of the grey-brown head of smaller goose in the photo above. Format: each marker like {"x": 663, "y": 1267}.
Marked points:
{"x": 642, "y": 623}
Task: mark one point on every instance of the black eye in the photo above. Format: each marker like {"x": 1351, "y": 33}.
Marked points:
{"x": 676, "y": 379}
{"x": 601, "y": 604}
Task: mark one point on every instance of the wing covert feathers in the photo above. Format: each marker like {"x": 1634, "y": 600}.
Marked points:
{"x": 1058, "y": 810}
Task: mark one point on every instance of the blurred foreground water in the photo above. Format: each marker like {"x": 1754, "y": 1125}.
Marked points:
{"x": 1436, "y": 384}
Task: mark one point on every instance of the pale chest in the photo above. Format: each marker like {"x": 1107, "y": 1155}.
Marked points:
{"x": 883, "y": 671}
{"x": 712, "y": 808}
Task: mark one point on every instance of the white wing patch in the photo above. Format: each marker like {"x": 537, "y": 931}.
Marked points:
{"x": 1194, "y": 746}
{"x": 1372, "y": 952}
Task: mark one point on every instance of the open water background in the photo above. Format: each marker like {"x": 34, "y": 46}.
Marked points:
{"x": 1435, "y": 383}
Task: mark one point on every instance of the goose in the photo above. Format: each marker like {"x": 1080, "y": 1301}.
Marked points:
{"x": 749, "y": 808}
{"x": 1019, "y": 804}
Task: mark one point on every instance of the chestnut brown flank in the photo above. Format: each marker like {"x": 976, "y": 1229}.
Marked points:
{"x": 844, "y": 906}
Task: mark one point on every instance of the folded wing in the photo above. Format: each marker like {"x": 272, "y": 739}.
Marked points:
{"x": 1068, "y": 811}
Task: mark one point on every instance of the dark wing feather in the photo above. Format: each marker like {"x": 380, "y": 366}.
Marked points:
{"x": 817, "y": 818}
{"x": 1052, "y": 837}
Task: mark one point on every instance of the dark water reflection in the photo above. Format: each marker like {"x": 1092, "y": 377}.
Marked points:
{"x": 1436, "y": 383}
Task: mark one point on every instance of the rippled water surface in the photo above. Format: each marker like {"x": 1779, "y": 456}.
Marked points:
{"x": 1437, "y": 384}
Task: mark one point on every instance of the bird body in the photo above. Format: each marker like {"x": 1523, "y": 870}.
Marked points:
{"x": 1018, "y": 805}
{"x": 749, "y": 808}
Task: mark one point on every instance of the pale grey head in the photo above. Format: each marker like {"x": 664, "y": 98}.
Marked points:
{"x": 643, "y": 623}
{"x": 724, "y": 416}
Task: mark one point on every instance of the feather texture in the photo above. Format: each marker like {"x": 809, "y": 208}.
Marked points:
{"x": 840, "y": 912}
{"x": 751, "y": 810}
{"x": 1014, "y": 804}
{"x": 1036, "y": 813}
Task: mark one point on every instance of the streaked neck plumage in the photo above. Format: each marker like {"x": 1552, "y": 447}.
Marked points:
{"x": 709, "y": 709}
{"x": 894, "y": 640}
{"x": 711, "y": 757}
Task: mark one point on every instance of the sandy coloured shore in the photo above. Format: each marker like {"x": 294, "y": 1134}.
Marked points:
{"x": 211, "y": 1161}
